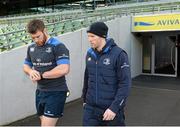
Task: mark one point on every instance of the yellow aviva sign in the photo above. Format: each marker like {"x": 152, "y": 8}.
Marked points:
{"x": 166, "y": 22}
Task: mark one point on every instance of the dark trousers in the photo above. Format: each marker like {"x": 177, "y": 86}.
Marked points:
{"x": 93, "y": 116}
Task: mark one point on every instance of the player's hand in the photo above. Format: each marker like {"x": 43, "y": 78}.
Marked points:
{"x": 109, "y": 115}
{"x": 34, "y": 75}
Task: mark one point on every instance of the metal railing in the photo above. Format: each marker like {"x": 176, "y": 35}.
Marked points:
{"x": 14, "y": 39}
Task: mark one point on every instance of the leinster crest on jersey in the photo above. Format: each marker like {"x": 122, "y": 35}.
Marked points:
{"x": 106, "y": 61}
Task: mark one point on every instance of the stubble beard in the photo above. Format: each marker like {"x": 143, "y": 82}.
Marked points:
{"x": 43, "y": 40}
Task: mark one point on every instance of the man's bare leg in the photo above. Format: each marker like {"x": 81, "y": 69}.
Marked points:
{"x": 48, "y": 121}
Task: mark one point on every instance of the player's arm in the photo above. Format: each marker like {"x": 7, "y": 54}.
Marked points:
{"x": 62, "y": 61}
{"x": 57, "y": 72}
{"x": 27, "y": 68}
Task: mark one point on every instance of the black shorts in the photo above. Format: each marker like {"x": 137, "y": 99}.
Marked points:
{"x": 50, "y": 103}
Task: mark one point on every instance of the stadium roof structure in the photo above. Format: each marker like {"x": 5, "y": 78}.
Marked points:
{"x": 8, "y": 7}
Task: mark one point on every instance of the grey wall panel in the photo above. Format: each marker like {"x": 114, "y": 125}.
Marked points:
{"x": 125, "y": 34}
{"x": 136, "y": 56}
{"x": 17, "y": 92}
{"x": 85, "y": 47}
{"x": 114, "y": 30}
{"x": 1, "y": 89}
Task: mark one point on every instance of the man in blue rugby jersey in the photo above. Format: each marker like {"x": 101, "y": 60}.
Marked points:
{"x": 47, "y": 63}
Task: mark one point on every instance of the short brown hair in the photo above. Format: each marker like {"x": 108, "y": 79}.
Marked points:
{"x": 34, "y": 25}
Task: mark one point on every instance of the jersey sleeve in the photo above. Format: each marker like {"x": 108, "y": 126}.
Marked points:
{"x": 61, "y": 54}
{"x": 27, "y": 60}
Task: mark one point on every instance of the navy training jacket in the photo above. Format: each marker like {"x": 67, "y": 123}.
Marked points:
{"x": 107, "y": 77}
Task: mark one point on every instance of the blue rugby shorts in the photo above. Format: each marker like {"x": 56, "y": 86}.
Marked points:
{"x": 50, "y": 103}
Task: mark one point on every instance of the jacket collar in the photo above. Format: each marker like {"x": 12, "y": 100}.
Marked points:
{"x": 107, "y": 48}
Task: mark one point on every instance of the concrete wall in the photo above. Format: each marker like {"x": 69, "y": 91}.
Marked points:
{"x": 136, "y": 56}
{"x": 17, "y": 91}
{"x": 1, "y": 87}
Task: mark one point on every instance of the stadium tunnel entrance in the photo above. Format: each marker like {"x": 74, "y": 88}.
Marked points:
{"x": 160, "y": 41}
{"x": 160, "y": 53}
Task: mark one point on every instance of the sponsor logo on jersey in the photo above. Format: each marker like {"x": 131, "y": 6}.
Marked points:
{"x": 38, "y": 60}
{"x": 32, "y": 49}
{"x": 48, "y": 50}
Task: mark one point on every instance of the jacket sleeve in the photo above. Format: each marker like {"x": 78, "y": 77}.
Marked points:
{"x": 124, "y": 82}
{"x": 85, "y": 85}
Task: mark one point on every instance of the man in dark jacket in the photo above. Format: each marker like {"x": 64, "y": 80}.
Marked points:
{"x": 107, "y": 80}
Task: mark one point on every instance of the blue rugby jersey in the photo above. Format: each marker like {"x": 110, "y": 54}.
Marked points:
{"x": 46, "y": 57}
